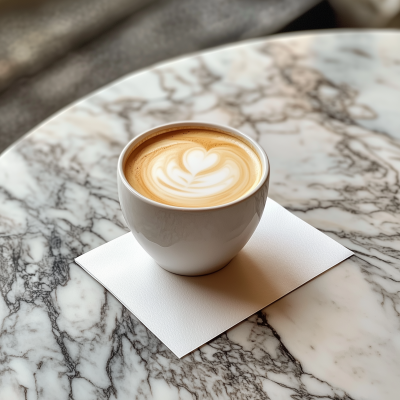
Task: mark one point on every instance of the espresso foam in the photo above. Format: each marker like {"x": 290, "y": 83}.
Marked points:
{"x": 193, "y": 168}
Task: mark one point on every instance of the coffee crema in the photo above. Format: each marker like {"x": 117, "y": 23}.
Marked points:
{"x": 193, "y": 167}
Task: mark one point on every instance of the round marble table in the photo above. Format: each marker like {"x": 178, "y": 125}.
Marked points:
{"x": 326, "y": 109}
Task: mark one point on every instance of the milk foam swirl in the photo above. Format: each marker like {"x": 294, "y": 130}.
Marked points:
{"x": 193, "y": 168}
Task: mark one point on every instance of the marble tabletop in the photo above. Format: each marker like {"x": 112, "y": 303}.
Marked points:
{"x": 325, "y": 106}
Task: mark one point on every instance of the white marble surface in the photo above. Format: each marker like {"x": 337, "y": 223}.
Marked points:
{"x": 325, "y": 108}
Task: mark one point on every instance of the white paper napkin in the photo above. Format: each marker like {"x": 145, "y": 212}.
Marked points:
{"x": 186, "y": 312}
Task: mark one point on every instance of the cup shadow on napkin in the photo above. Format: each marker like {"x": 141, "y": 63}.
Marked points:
{"x": 243, "y": 280}
{"x": 186, "y": 312}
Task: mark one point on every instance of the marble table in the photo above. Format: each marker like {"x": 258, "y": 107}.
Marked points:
{"x": 326, "y": 109}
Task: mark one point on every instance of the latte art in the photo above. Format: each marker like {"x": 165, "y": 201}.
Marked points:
{"x": 193, "y": 168}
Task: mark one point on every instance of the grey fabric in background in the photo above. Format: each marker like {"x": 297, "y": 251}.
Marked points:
{"x": 35, "y": 35}
{"x": 155, "y": 32}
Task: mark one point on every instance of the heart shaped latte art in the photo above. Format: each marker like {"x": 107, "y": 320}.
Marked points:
{"x": 195, "y": 169}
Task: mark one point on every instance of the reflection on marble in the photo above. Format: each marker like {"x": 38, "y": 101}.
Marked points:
{"x": 325, "y": 109}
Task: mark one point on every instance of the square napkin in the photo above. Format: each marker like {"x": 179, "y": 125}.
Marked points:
{"x": 186, "y": 312}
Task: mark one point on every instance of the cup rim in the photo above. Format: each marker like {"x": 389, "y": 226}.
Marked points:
{"x": 193, "y": 124}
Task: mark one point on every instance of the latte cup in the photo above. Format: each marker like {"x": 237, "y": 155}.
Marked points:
{"x": 192, "y": 241}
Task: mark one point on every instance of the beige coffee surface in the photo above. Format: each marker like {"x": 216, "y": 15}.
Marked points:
{"x": 193, "y": 168}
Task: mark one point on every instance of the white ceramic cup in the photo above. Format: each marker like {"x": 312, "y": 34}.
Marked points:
{"x": 192, "y": 241}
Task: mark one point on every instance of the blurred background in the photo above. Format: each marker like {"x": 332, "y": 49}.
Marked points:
{"x": 52, "y": 52}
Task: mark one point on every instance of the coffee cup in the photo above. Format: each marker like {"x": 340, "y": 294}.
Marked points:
{"x": 186, "y": 240}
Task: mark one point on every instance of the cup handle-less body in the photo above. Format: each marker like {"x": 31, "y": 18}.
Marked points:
{"x": 192, "y": 241}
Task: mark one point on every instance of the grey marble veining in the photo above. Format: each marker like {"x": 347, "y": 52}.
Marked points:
{"x": 325, "y": 109}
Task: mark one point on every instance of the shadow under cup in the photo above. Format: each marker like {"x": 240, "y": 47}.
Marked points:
{"x": 192, "y": 241}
